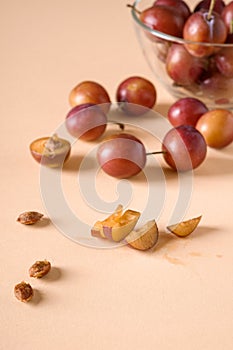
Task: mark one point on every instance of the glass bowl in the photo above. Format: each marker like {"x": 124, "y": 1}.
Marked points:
{"x": 192, "y": 76}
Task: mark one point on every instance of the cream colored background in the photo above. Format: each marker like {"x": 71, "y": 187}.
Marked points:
{"x": 180, "y": 296}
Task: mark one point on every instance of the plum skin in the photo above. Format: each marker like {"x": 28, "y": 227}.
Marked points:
{"x": 122, "y": 155}
{"x": 186, "y": 111}
{"x": 201, "y": 29}
{"x": 164, "y": 19}
{"x": 136, "y": 95}
{"x": 182, "y": 67}
{"x": 205, "y": 4}
{"x": 86, "y": 122}
{"x": 184, "y": 148}
{"x": 224, "y": 61}
{"x": 217, "y": 128}
{"x": 179, "y": 5}
{"x": 90, "y": 92}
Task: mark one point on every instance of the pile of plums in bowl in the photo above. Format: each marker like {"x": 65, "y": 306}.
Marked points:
{"x": 189, "y": 46}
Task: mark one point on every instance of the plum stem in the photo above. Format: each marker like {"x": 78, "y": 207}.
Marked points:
{"x": 231, "y": 27}
{"x": 211, "y": 8}
{"x": 134, "y": 8}
{"x": 156, "y": 152}
{"x": 121, "y": 125}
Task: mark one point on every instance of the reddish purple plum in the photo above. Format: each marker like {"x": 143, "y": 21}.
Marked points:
{"x": 121, "y": 155}
{"x": 202, "y": 27}
{"x": 205, "y": 4}
{"x": 179, "y": 5}
{"x": 224, "y": 61}
{"x": 182, "y": 67}
{"x": 164, "y": 19}
{"x": 227, "y": 16}
{"x": 136, "y": 95}
{"x": 87, "y": 121}
{"x": 186, "y": 111}
{"x": 218, "y": 88}
{"x": 184, "y": 148}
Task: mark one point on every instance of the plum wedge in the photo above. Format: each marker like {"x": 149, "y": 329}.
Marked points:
{"x": 116, "y": 226}
{"x": 144, "y": 238}
{"x": 184, "y": 228}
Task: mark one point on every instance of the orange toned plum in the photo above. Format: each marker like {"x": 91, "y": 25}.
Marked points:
{"x": 217, "y": 127}
{"x": 90, "y": 92}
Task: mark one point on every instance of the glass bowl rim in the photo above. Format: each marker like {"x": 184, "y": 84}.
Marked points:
{"x": 169, "y": 37}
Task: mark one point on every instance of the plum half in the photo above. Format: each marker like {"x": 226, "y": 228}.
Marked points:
{"x": 50, "y": 151}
